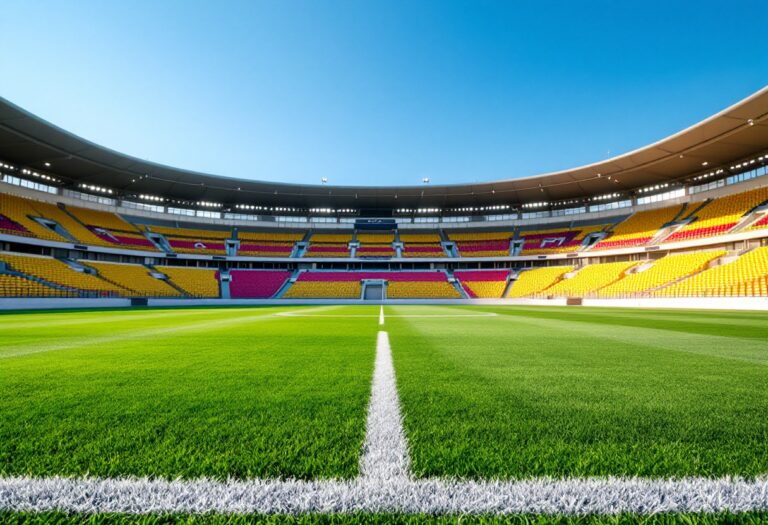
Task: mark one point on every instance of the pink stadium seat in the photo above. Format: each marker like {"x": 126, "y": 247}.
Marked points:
{"x": 256, "y": 284}
{"x": 358, "y": 276}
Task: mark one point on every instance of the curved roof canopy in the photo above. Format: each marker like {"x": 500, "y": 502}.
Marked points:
{"x": 729, "y": 136}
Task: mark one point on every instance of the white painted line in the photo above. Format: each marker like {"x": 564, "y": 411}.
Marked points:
{"x": 385, "y": 457}
{"x": 541, "y": 496}
{"x": 381, "y": 315}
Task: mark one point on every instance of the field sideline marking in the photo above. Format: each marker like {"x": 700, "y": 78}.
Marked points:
{"x": 385, "y": 484}
{"x": 381, "y": 315}
{"x": 292, "y": 314}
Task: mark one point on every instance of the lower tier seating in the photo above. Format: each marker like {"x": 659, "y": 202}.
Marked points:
{"x": 590, "y": 279}
{"x": 535, "y": 281}
{"x": 324, "y": 290}
{"x": 409, "y": 284}
{"x": 16, "y": 286}
{"x": 664, "y": 271}
{"x": 736, "y": 278}
{"x": 135, "y": 278}
{"x": 483, "y": 284}
{"x": 256, "y": 284}
{"x": 58, "y": 272}
{"x": 197, "y": 282}
{"x": 421, "y": 290}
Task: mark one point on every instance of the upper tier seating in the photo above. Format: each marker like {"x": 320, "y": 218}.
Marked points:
{"x": 256, "y": 284}
{"x": 590, "y": 279}
{"x": 329, "y": 245}
{"x": 741, "y": 277}
{"x": 639, "y": 228}
{"x": 192, "y": 232}
{"x": 421, "y": 245}
{"x": 16, "y": 219}
{"x": 58, "y": 272}
{"x": 762, "y": 223}
{"x": 556, "y": 241}
{"x": 197, "y": 282}
{"x": 133, "y": 277}
{"x": 195, "y": 241}
{"x": 720, "y": 215}
{"x": 267, "y": 244}
{"x": 105, "y": 229}
{"x": 483, "y": 284}
{"x": 377, "y": 238}
{"x": 535, "y": 281}
{"x": 378, "y": 244}
{"x": 664, "y": 271}
{"x": 482, "y": 244}
{"x": 17, "y": 286}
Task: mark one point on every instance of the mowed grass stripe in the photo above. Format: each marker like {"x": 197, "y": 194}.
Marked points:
{"x": 283, "y": 398}
{"x": 518, "y": 397}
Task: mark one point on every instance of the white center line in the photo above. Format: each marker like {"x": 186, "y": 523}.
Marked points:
{"x": 381, "y": 315}
{"x": 385, "y": 452}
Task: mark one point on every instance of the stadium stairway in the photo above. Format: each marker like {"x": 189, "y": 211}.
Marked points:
{"x": 456, "y": 284}
{"x": 754, "y": 215}
{"x": 56, "y": 227}
{"x": 155, "y": 273}
{"x": 6, "y": 270}
{"x": 669, "y": 229}
{"x": 287, "y": 284}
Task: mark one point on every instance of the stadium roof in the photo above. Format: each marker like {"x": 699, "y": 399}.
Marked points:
{"x": 729, "y": 136}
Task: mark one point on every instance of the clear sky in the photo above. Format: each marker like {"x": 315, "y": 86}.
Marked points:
{"x": 386, "y": 92}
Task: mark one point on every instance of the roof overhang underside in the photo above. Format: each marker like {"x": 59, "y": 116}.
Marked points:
{"x": 729, "y": 136}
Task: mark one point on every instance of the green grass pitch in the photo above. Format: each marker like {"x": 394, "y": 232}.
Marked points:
{"x": 486, "y": 392}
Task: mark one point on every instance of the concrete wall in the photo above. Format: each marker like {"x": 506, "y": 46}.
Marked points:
{"x": 34, "y": 303}
{"x": 705, "y": 303}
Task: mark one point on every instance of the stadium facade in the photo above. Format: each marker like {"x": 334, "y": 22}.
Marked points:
{"x": 682, "y": 222}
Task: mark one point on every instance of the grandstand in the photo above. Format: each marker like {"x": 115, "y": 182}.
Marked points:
{"x": 534, "y": 281}
{"x": 267, "y": 244}
{"x": 94, "y": 230}
{"x": 588, "y": 279}
{"x": 482, "y": 244}
{"x": 421, "y": 245}
{"x": 61, "y": 274}
{"x": 666, "y": 270}
{"x": 720, "y": 215}
{"x": 137, "y": 279}
{"x": 483, "y": 284}
{"x": 196, "y": 282}
{"x": 744, "y": 276}
{"x": 329, "y": 245}
{"x": 556, "y": 241}
{"x": 375, "y": 244}
{"x": 256, "y": 284}
{"x": 639, "y": 228}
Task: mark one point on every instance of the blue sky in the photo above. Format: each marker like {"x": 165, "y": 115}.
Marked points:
{"x": 382, "y": 92}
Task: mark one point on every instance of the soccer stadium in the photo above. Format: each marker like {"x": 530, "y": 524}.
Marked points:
{"x": 587, "y": 345}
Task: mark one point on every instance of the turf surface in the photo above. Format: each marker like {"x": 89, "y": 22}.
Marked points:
{"x": 569, "y": 392}
{"x": 57, "y": 518}
{"x": 184, "y": 393}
